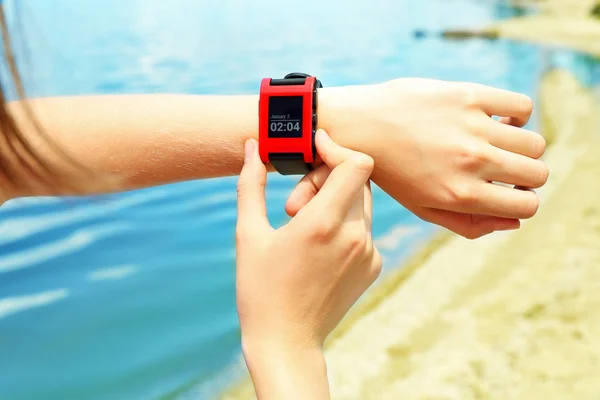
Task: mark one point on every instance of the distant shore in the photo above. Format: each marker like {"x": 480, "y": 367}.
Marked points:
{"x": 560, "y": 24}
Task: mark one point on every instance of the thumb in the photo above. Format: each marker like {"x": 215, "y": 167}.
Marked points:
{"x": 252, "y": 209}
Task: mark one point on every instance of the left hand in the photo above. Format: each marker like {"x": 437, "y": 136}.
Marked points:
{"x": 437, "y": 149}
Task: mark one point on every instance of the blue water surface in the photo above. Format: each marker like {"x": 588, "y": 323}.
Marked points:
{"x": 131, "y": 296}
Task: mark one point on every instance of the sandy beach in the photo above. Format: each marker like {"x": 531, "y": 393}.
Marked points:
{"x": 514, "y": 315}
{"x": 511, "y": 316}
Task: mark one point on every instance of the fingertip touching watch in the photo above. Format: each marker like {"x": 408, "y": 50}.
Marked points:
{"x": 287, "y": 122}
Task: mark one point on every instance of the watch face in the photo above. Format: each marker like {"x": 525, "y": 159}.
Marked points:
{"x": 285, "y": 116}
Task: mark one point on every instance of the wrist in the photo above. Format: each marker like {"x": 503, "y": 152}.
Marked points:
{"x": 286, "y": 370}
{"x": 340, "y": 111}
{"x": 257, "y": 350}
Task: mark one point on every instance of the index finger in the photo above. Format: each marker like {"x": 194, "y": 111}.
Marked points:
{"x": 350, "y": 170}
{"x": 503, "y": 103}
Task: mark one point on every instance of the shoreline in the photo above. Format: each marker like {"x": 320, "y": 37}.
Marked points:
{"x": 390, "y": 282}
{"x": 561, "y": 24}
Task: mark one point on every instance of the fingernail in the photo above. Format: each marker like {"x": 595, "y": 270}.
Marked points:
{"x": 248, "y": 150}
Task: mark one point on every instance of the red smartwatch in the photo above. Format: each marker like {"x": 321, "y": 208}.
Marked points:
{"x": 287, "y": 122}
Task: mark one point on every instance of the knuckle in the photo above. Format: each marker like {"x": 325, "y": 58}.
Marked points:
{"x": 468, "y": 95}
{"x": 246, "y": 183}
{"x": 423, "y": 214}
{"x": 472, "y": 124}
{"x": 369, "y": 248}
{"x": 357, "y": 242}
{"x": 462, "y": 195}
{"x": 324, "y": 229}
{"x": 472, "y": 156}
{"x": 475, "y": 230}
{"x": 425, "y": 218}
{"x": 473, "y": 233}
{"x": 242, "y": 186}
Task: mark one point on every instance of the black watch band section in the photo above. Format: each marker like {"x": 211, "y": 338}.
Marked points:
{"x": 290, "y": 163}
{"x": 293, "y": 163}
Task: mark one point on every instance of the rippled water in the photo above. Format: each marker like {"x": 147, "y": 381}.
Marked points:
{"x": 131, "y": 296}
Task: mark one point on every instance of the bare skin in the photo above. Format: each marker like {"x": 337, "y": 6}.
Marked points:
{"x": 287, "y": 309}
{"x": 435, "y": 145}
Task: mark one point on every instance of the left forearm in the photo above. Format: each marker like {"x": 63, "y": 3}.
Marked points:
{"x": 149, "y": 139}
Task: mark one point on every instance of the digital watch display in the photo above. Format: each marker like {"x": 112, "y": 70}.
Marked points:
{"x": 288, "y": 122}
{"x": 285, "y": 116}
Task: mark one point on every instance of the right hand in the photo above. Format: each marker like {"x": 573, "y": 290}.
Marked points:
{"x": 437, "y": 149}
{"x": 296, "y": 283}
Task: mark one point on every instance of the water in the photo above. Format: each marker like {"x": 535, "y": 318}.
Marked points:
{"x": 131, "y": 296}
